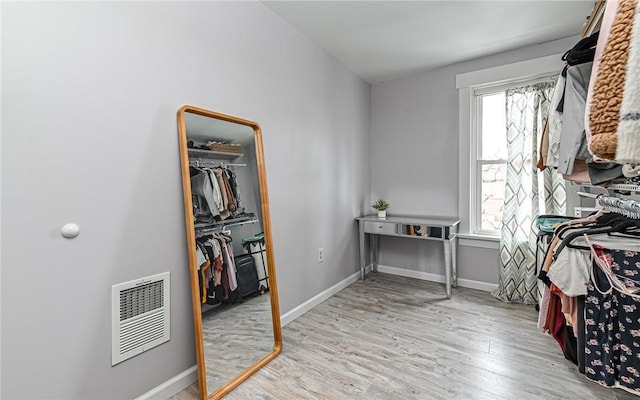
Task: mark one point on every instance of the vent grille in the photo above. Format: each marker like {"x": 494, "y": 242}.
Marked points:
{"x": 141, "y": 299}
{"x": 140, "y": 316}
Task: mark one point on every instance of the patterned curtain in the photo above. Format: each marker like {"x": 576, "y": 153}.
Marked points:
{"x": 526, "y": 112}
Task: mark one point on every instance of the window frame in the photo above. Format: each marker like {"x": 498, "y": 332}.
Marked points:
{"x": 548, "y": 65}
{"x": 476, "y": 161}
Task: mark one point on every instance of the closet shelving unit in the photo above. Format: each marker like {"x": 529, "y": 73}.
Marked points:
{"x": 206, "y": 229}
{"x": 627, "y": 207}
{"x": 212, "y": 155}
{"x": 216, "y": 158}
{"x": 203, "y": 157}
{"x": 593, "y": 192}
{"x": 618, "y": 189}
{"x": 628, "y": 188}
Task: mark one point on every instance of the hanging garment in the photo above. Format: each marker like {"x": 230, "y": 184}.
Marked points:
{"x": 205, "y": 269}
{"x": 580, "y": 173}
{"x": 544, "y": 147}
{"x": 227, "y": 187}
{"x": 568, "y": 142}
{"x": 544, "y": 308}
{"x": 231, "y": 266}
{"x": 554, "y": 122}
{"x": 217, "y": 261}
{"x": 233, "y": 184}
{"x": 580, "y": 336}
{"x": 570, "y": 271}
{"x": 628, "y": 149}
{"x": 555, "y": 320}
{"x": 605, "y": 28}
{"x": 583, "y": 51}
{"x": 612, "y": 334}
{"x": 204, "y": 272}
{"x": 224, "y": 204}
{"x": 217, "y": 194}
{"x": 609, "y": 86}
{"x": 202, "y": 187}
{"x": 200, "y": 257}
{"x": 573, "y": 143}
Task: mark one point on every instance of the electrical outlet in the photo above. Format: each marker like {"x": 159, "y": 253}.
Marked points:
{"x": 320, "y": 254}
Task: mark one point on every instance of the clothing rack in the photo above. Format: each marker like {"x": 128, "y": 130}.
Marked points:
{"x": 589, "y": 195}
{"x": 627, "y": 207}
{"x": 207, "y": 229}
{"x": 594, "y": 19}
{"x": 205, "y": 164}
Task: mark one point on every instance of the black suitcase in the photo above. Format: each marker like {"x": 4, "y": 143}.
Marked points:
{"x": 247, "y": 275}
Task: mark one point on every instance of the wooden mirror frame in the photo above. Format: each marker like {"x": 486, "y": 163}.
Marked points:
{"x": 193, "y": 267}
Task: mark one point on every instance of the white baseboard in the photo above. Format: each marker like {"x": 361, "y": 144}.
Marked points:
{"x": 427, "y": 276}
{"x": 173, "y": 385}
{"x": 317, "y": 299}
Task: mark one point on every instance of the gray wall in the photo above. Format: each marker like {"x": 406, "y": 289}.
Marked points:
{"x": 90, "y": 93}
{"x": 415, "y": 155}
{"x": 475, "y": 262}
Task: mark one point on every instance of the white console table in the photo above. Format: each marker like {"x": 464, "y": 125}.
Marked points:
{"x": 412, "y": 227}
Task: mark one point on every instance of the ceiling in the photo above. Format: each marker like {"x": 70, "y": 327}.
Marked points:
{"x": 385, "y": 40}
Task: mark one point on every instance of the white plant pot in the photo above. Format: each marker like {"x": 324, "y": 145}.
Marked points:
{"x": 382, "y": 213}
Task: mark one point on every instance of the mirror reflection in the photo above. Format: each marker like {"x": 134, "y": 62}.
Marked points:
{"x": 233, "y": 286}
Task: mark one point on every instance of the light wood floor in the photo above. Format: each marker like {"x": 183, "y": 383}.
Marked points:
{"x": 391, "y": 337}
{"x": 236, "y": 336}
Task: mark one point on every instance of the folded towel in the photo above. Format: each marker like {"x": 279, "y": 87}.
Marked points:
{"x": 631, "y": 170}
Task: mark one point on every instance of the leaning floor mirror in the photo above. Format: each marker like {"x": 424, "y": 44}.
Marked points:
{"x": 231, "y": 264}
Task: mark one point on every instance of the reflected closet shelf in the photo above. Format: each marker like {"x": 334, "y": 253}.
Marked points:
{"x": 204, "y": 228}
{"x": 213, "y": 155}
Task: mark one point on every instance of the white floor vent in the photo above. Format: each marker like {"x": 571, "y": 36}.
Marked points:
{"x": 139, "y": 316}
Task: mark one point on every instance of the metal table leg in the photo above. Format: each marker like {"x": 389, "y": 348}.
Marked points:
{"x": 447, "y": 267}
{"x": 376, "y": 248}
{"x": 454, "y": 259}
{"x": 362, "y": 254}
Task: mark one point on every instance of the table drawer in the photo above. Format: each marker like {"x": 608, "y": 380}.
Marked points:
{"x": 382, "y": 228}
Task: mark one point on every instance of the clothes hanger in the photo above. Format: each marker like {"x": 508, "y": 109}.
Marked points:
{"x": 558, "y": 228}
{"x": 611, "y": 222}
{"x": 601, "y": 218}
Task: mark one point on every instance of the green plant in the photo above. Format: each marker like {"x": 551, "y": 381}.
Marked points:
{"x": 381, "y": 205}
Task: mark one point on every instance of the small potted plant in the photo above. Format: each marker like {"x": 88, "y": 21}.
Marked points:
{"x": 381, "y": 205}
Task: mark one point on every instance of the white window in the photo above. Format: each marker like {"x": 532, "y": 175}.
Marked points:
{"x": 489, "y": 166}
{"x": 483, "y": 143}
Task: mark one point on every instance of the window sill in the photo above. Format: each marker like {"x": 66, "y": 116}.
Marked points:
{"x": 482, "y": 241}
